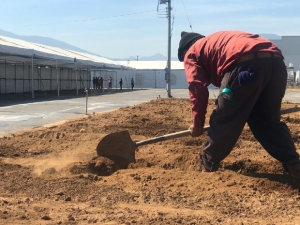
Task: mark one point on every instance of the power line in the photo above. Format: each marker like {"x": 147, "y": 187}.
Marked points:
{"x": 172, "y": 24}
{"x": 187, "y": 16}
{"x": 99, "y": 18}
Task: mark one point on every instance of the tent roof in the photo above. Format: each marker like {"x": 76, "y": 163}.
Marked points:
{"x": 153, "y": 65}
{"x": 19, "y": 51}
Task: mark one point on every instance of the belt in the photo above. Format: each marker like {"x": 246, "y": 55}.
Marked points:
{"x": 258, "y": 55}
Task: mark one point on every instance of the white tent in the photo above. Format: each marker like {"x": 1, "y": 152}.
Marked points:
{"x": 15, "y": 50}
{"x": 30, "y": 67}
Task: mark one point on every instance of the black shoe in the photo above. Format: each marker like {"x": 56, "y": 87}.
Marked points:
{"x": 294, "y": 170}
{"x": 208, "y": 165}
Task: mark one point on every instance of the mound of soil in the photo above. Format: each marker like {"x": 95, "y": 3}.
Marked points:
{"x": 52, "y": 175}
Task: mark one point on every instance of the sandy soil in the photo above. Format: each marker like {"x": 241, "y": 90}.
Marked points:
{"x": 52, "y": 175}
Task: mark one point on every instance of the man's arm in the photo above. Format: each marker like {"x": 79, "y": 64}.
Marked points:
{"x": 197, "y": 79}
{"x": 199, "y": 98}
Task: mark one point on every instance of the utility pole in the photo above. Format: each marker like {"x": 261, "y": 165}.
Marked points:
{"x": 169, "y": 50}
{"x": 168, "y": 68}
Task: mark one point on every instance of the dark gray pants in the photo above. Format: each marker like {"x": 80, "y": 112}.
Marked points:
{"x": 258, "y": 103}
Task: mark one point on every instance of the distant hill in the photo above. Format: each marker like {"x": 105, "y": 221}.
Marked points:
{"x": 44, "y": 40}
{"x": 60, "y": 44}
{"x": 160, "y": 57}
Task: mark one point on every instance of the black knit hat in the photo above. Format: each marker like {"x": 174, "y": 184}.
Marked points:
{"x": 186, "y": 41}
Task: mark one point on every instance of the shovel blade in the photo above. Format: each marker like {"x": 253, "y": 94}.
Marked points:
{"x": 117, "y": 146}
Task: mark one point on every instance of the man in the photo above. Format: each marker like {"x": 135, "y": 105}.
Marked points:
{"x": 109, "y": 83}
{"x": 251, "y": 75}
{"x": 132, "y": 83}
{"x": 121, "y": 83}
{"x": 101, "y": 83}
{"x": 94, "y": 83}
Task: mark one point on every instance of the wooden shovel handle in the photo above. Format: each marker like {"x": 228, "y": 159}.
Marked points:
{"x": 188, "y": 132}
{"x": 167, "y": 137}
{"x": 290, "y": 110}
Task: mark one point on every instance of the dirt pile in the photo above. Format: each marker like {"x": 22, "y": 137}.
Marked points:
{"x": 52, "y": 175}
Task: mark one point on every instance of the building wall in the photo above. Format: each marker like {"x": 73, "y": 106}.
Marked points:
{"x": 18, "y": 78}
{"x": 153, "y": 78}
{"x": 290, "y": 47}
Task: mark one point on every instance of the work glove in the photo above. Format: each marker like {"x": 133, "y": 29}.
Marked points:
{"x": 196, "y": 132}
{"x": 247, "y": 76}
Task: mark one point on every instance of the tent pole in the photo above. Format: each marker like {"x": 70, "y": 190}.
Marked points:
{"x": 23, "y": 76}
{"x": 15, "y": 78}
{"x": 155, "y": 80}
{"x": 57, "y": 79}
{"x": 5, "y": 78}
{"x": 89, "y": 86}
{"x": 32, "y": 88}
{"x": 76, "y": 76}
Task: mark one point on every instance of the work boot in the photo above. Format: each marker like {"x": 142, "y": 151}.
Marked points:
{"x": 294, "y": 170}
{"x": 208, "y": 165}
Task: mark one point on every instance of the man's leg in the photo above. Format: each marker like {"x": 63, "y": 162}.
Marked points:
{"x": 264, "y": 121}
{"x": 228, "y": 119}
{"x": 230, "y": 116}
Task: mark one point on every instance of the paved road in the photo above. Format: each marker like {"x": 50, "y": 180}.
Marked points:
{"x": 18, "y": 116}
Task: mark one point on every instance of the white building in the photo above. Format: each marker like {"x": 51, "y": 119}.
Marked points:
{"x": 151, "y": 74}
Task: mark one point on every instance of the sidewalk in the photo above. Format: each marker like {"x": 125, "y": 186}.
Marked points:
{"x": 22, "y": 113}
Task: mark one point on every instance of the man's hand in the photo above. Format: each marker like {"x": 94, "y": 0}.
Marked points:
{"x": 196, "y": 132}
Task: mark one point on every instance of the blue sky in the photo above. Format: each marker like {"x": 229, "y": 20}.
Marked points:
{"x": 124, "y": 28}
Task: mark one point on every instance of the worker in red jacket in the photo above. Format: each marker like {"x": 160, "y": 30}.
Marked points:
{"x": 251, "y": 75}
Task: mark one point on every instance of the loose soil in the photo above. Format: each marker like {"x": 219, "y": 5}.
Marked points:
{"x": 52, "y": 175}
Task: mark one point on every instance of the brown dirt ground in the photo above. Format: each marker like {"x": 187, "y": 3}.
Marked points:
{"x": 51, "y": 175}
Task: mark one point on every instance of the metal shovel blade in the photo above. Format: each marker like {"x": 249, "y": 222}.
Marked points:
{"x": 117, "y": 146}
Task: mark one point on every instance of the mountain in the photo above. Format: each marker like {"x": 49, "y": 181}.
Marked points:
{"x": 44, "y": 40}
{"x": 60, "y": 44}
{"x": 271, "y": 36}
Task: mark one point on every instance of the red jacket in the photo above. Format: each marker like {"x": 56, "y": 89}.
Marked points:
{"x": 208, "y": 59}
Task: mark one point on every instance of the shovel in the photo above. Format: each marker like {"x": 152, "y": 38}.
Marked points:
{"x": 119, "y": 146}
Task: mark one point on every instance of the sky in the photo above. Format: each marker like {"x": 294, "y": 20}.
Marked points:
{"x": 124, "y": 28}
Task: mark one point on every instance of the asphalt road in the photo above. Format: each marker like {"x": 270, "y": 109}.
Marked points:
{"x": 21, "y": 115}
